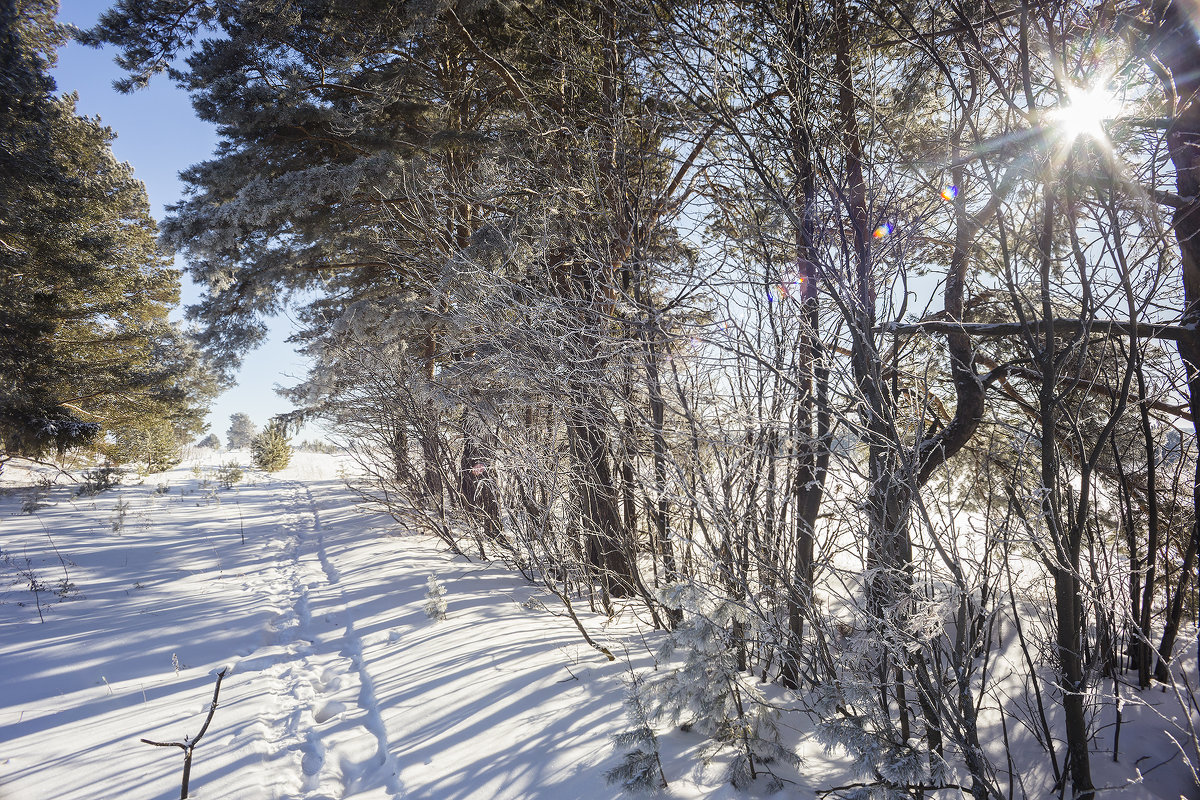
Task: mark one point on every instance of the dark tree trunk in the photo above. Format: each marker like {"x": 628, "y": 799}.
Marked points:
{"x": 608, "y": 554}
{"x": 812, "y": 381}
{"x": 401, "y": 468}
{"x": 1176, "y": 54}
{"x": 660, "y": 509}
{"x": 1143, "y": 651}
{"x": 1066, "y": 534}
{"x": 477, "y": 486}
{"x": 1175, "y": 611}
{"x": 430, "y": 447}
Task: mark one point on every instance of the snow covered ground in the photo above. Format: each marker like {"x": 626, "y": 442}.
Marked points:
{"x": 340, "y": 685}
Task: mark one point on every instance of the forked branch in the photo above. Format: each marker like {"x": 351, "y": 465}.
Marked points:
{"x": 188, "y": 745}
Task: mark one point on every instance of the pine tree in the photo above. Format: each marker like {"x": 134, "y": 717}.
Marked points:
{"x": 709, "y": 694}
{"x": 341, "y": 120}
{"x": 241, "y": 431}
{"x": 159, "y": 447}
{"x": 366, "y": 175}
{"x": 640, "y": 770}
{"x": 86, "y": 348}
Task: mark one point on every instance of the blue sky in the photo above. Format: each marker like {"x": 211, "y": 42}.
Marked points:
{"x": 159, "y": 135}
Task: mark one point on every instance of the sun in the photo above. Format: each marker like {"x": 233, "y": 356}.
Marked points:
{"x": 1086, "y": 111}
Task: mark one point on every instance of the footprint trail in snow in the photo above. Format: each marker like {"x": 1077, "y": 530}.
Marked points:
{"x": 326, "y": 739}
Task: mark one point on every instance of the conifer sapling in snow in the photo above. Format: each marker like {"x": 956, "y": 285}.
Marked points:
{"x": 271, "y": 449}
{"x": 712, "y": 696}
{"x": 435, "y": 599}
{"x": 228, "y": 475}
{"x": 640, "y": 770}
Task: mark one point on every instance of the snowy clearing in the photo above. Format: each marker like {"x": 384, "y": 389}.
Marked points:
{"x": 341, "y": 685}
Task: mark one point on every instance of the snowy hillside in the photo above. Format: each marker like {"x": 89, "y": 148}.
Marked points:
{"x": 341, "y": 685}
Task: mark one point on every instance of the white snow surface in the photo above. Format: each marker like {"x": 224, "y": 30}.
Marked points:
{"x": 339, "y": 683}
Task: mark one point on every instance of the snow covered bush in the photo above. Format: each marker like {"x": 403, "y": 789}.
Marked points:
{"x": 435, "y": 599}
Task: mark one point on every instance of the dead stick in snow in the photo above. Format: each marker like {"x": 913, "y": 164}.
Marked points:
{"x": 188, "y": 745}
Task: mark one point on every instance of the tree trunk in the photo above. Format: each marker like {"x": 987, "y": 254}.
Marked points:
{"x": 812, "y": 381}
{"x": 1175, "y": 48}
{"x": 1066, "y": 535}
{"x": 1175, "y": 612}
{"x": 607, "y": 552}
{"x": 430, "y": 448}
{"x": 477, "y": 486}
{"x": 660, "y": 509}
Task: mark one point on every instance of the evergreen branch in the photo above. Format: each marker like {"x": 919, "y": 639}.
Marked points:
{"x": 492, "y": 61}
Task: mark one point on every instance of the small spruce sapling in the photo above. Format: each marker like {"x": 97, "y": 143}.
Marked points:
{"x": 118, "y": 520}
{"x": 640, "y": 770}
{"x": 707, "y": 693}
{"x": 228, "y": 475}
{"x": 271, "y": 449}
{"x": 100, "y": 479}
{"x": 435, "y": 599}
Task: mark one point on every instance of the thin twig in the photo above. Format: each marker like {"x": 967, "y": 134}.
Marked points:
{"x": 188, "y": 745}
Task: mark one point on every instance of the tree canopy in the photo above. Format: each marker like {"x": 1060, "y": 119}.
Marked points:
{"x": 86, "y": 347}
{"x": 711, "y": 305}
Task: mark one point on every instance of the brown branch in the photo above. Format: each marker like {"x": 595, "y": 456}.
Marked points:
{"x": 965, "y": 27}
{"x": 1001, "y": 373}
{"x": 188, "y": 745}
{"x": 496, "y": 65}
{"x": 701, "y": 143}
{"x": 990, "y": 329}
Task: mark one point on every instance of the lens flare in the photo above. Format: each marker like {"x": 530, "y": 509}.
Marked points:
{"x": 795, "y": 282}
{"x": 1086, "y": 111}
{"x": 949, "y": 193}
{"x": 883, "y": 231}
{"x": 794, "y": 287}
